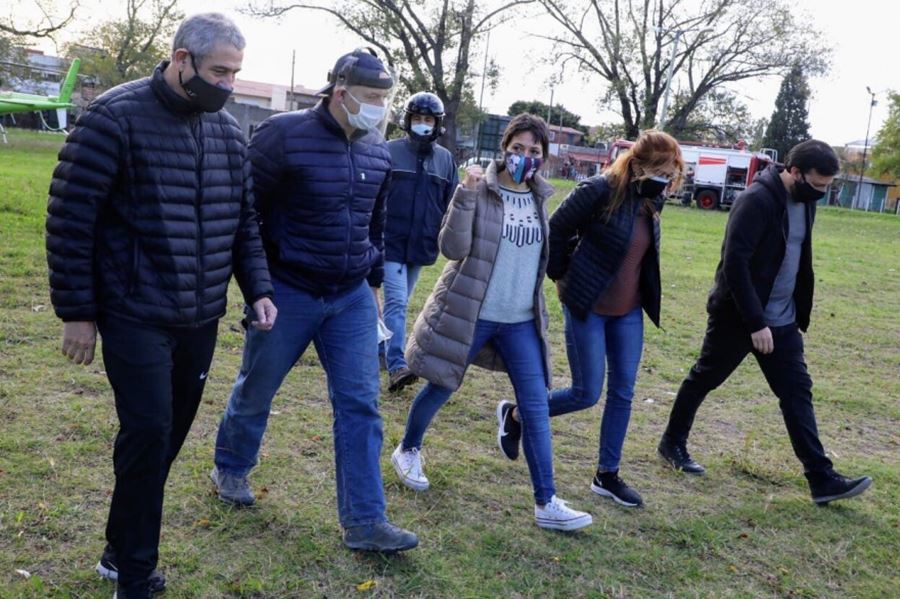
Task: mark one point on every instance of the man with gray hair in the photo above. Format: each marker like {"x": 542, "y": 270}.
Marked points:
{"x": 150, "y": 213}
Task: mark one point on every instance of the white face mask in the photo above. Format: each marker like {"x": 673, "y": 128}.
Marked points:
{"x": 422, "y": 129}
{"x": 368, "y": 117}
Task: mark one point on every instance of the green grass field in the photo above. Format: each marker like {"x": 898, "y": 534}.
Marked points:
{"x": 747, "y": 529}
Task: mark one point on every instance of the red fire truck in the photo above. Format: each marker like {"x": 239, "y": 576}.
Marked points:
{"x": 713, "y": 176}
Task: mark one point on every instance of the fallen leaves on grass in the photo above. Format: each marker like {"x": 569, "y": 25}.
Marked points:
{"x": 366, "y": 586}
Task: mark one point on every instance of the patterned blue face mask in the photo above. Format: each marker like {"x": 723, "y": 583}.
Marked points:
{"x": 521, "y": 168}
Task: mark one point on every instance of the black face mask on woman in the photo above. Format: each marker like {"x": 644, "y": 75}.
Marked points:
{"x": 203, "y": 94}
{"x": 804, "y": 192}
{"x": 651, "y": 187}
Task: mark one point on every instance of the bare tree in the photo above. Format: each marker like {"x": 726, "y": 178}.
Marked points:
{"x": 429, "y": 42}
{"x": 124, "y": 49}
{"x": 629, "y": 43}
{"x": 48, "y": 24}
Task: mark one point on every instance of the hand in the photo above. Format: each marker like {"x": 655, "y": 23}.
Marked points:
{"x": 265, "y": 312}
{"x": 474, "y": 175}
{"x": 79, "y": 341}
{"x": 762, "y": 341}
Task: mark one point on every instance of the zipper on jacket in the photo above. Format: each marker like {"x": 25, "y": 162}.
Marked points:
{"x": 349, "y": 202}
{"x": 197, "y": 134}
{"x": 420, "y": 174}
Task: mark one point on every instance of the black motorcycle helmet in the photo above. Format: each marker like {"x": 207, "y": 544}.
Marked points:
{"x": 428, "y": 104}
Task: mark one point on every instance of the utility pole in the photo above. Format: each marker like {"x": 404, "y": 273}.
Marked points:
{"x": 671, "y": 70}
{"x": 293, "y": 60}
{"x": 487, "y": 47}
{"x": 862, "y": 169}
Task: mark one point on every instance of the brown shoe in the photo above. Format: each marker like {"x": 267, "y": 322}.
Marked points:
{"x": 401, "y": 378}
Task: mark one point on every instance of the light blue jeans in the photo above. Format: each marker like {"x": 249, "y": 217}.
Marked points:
{"x": 343, "y": 328}
{"x": 399, "y": 284}
{"x": 521, "y": 349}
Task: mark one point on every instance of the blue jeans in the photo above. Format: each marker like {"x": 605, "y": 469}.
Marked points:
{"x": 522, "y": 353}
{"x": 399, "y": 284}
{"x": 593, "y": 345}
{"x": 343, "y": 329}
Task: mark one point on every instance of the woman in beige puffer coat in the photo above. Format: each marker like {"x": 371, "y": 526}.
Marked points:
{"x": 488, "y": 308}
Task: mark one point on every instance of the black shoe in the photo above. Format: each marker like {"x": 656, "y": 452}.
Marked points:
{"x": 108, "y": 568}
{"x": 608, "y": 484}
{"x": 509, "y": 432}
{"x": 400, "y": 378}
{"x": 677, "y": 455}
{"x": 139, "y": 590}
{"x": 383, "y": 537}
{"x": 831, "y": 486}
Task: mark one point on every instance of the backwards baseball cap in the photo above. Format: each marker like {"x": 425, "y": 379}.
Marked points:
{"x": 360, "y": 67}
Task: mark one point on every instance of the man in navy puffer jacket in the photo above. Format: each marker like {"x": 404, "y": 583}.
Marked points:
{"x": 423, "y": 180}
{"x": 150, "y": 212}
{"x": 320, "y": 178}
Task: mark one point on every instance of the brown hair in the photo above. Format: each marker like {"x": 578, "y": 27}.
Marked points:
{"x": 653, "y": 152}
{"x": 532, "y": 124}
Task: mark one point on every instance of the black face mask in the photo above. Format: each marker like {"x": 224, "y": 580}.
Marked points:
{"x": 804, "y": 192}
{"x": 650, "y": 188}
{"x": 203, "y": 94}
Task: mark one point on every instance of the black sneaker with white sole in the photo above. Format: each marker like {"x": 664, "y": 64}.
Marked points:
{"x": 831, "y": 486}
{"x": 108, "y": 568}
{"x": 608, "y": 484}
{"x": 509, "y": 432}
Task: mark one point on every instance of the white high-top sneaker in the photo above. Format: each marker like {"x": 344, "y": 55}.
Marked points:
{"x": 559, "y": 516}
{"x": 408, "y": 465}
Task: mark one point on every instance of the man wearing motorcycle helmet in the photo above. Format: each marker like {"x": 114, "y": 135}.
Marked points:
{"x": 423, "y": 179}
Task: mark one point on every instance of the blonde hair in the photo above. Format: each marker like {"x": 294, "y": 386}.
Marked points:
{"x": 653, "y": 153}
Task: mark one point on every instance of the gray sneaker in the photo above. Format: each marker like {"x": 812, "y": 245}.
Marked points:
{"x": 232, "y": 489}
{"x": 383, "y": 537}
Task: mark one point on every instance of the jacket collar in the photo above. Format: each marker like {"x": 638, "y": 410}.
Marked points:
{"x": 538, "y": 185}
{"x": 168, "y": 96}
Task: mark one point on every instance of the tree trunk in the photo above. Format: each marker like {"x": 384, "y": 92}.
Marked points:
{"x": 448, "y": 139}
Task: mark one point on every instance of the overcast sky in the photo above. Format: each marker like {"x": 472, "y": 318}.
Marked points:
{"x": 863, "y": 33}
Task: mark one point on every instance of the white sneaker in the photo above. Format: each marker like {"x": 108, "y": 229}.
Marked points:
{"x": 559, "y": 516}
{"x": 408, "y": 465}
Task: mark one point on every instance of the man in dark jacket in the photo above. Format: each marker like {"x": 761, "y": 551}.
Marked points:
{"x": 320, "y": 178}
{"x": 150, "y": 212}
{"x": 760, "y": 301}
{"x": 423, "y": 180}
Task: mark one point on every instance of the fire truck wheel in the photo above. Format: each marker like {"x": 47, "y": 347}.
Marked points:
{"x": 707, "y": 200}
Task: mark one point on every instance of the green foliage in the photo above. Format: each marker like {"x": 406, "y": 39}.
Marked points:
{"x": 720, "y": 117}
{"x": 129, "y": 48}
{"x": 886, "y": 154}
{"x": 606, "y": 132}
{"x": 569, "y": 119}
{"x": 789, "y": 124}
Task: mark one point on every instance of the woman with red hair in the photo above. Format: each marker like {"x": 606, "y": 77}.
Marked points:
{"x": 604, "y": 257}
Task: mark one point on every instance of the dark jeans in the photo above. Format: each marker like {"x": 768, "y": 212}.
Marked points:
{"x": 724, "y": 348}
{"x": 157, "y": 375}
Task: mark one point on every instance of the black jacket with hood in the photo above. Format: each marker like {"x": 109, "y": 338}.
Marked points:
{"x": 752, "y": 253}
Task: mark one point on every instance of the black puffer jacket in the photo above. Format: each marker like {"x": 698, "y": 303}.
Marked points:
{"x": 150, "y": 210}
{"x": 585, "y": 273}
